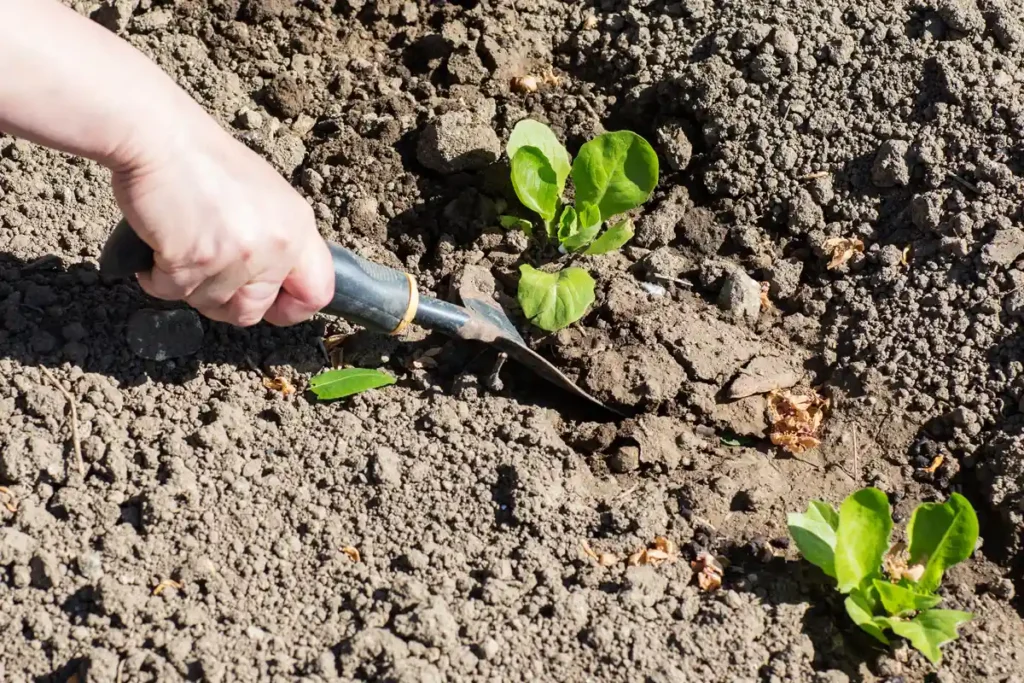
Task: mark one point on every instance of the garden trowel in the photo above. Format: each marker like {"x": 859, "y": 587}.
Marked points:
{"x": 381, "y": 299}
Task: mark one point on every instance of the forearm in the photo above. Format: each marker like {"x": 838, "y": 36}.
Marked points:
{"x": 70, "y": 84}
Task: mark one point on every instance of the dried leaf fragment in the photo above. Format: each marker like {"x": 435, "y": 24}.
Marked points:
{"x": 903, "y": 256}
{"x": 796, "y": 419}
{"x": 709, "y": 571}
{"x": 352, "y": 552}
{"x": 766, "y": 302}
{"x": 9, "y": 502}
{"x": 936, "y": 464}
{"x": 603, "y": 559}
{"x": 895, "y": 564}
{"x": 280, "y": 384}
{"x": 664, "y": 550}
{"x": 842, "y": 249}
{"x": 167, "y": 583}
{"x": 524, "y": 84}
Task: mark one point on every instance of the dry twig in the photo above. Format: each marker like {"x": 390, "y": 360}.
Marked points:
{"x": 74, "y": 419}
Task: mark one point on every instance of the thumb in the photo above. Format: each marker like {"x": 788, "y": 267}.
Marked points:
{"x": 307, "y": 289}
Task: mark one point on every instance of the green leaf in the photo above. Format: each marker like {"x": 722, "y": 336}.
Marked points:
{"x": 553, "y": 300}
{"x": 516, "y": 223}
{"x": 535, "y": 182}
{"x": 344, "y": 382}
{"x": 616, "y": 172}
{"x": 613, "y": 238}
{"x": 859, "y": 608}
{"x": 941, "y": 535}
{"x": 530, "y": 133}
{"x": 814, "y": 533}
{"x": 898, "y": 599}
{"x": 568, "y": 226}
{"x": 589, "y": 217}
{"x": 861, "y": 538}
{"x": 930, "y": 629}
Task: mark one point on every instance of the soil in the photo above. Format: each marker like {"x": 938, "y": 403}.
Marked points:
{"x": 206, "y": 532}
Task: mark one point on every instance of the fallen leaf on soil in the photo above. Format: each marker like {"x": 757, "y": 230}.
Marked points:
{"x": 352, "y": 553}
{"x": 664, "y": 550}
{"x": 903, "y": 257}
{"x": 9, "y": 502}
{"x": 764, "y": 374}
{"x": 166, "y": 583}
{"x": 279, "y": 384}
{"x": 766, "y": 303}
{"x": 795, "y": 419}
{"x": 842, "y": 249}
{"x": 709, "y": 571}
{"x": 895, "y": 564}
{"x": 603, "y": 559}
{"x": 936, "y": 464}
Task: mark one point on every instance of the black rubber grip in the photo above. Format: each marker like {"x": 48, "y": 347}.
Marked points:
{"x": 365, "y": 293}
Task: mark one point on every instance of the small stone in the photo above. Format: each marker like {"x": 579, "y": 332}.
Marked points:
{"x": 489, "y": 649}
{"x": 249, "y": 119}
{"x": 456, "y": 142}
{"x": 740, "y": 296}
{"x": 675, "y": 145}
{"x": 785, "y": 41}
{"x": 626, "y": 459}
{"x": 386, "y": 467}
{"x": 159, "y": 335}
{"x": 90, "y": 565}
{"x": 890, "y": 168}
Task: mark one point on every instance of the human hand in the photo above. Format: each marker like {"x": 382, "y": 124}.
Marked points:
{"x": 230, "y": 236}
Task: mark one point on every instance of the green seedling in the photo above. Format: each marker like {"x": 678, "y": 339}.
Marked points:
{"x": 612, "y": 174}
{"x": 887, "y": 587}
{"x": 343, "y": 382}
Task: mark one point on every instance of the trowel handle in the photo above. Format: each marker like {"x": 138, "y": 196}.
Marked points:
{"x": 376, "y": 297}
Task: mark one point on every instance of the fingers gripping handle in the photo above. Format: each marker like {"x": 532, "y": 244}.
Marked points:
{"x": 376, "y": 297}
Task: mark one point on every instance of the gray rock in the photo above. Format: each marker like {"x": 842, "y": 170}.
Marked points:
{"x": 456, "y": 142}
{"x": 386, "y": 467}
{"x": 159, "y": 335}
{"x": 740, "y": 296}
{"x": 626, "y": 459}
{"x": 90, "y": 565}
{"x": 890, "y": 168}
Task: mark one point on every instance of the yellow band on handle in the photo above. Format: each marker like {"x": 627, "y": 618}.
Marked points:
{"x": 414, "y": 304}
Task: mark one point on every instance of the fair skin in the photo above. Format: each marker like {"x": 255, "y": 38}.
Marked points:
{"x": 231, "y": 237}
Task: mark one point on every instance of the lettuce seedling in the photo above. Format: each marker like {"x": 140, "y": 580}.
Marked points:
{"x": 613, "y": 173}
{"x": 888, "y": 588}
